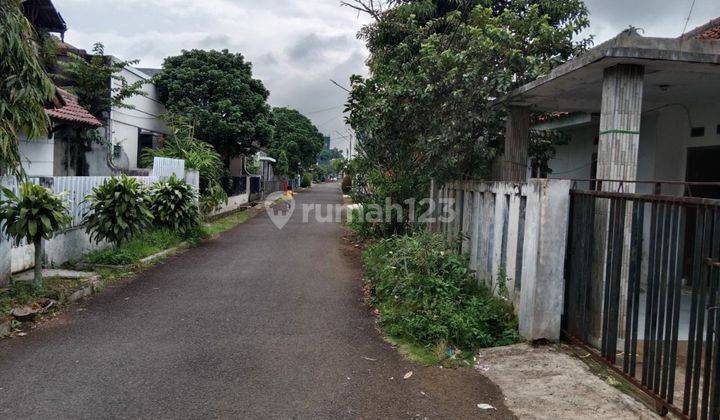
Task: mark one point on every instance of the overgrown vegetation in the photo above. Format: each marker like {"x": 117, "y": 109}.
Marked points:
{"x": 118, "y": 210}
{"x": 174, "y": 205}
{"x": 25, "y": 87}
{"x": 33, "y": 215}
{"x": 306, "y": 180}
{"x": 427, "y": 109}
{"x": 427, "y": 295}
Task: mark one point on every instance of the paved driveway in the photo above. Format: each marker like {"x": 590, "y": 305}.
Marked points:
{"x": 261, "y": 323}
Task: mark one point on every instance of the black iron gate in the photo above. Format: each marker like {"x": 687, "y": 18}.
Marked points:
{"x": 643, "y": 293}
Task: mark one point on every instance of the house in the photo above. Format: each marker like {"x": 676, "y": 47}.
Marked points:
{"x": 130, "y": 130}
{"x": 635, "y": 108}
{"x": 55, "y": 154}
{"x": 127, "y": 130}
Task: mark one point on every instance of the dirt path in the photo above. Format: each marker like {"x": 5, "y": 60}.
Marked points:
{"x": 261, "y": 323}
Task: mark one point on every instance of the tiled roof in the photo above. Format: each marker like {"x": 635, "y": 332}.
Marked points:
{"x": 710, "y": 30}
{"x": 66, "y": 109}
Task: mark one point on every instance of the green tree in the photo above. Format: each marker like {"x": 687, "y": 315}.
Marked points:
{"x": 91, "y": 80}
{"x": 436, "y": 67}
{"x": 25, "y": 87}
{"x": 33, "y": 215}
{"x": 296, "y": 141}
{"x": 216, "y": 91}
{"x": 327, "y": 155}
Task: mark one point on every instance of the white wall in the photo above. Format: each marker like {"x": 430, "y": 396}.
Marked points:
{"x": 125, "y": 123}
{"x": 664, "y": 140}
{"x": 38, "y": 156}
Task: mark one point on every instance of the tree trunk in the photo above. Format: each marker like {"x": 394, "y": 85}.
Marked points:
{"x": 38, "y": 278}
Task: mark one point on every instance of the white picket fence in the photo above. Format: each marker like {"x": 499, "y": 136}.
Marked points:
{"x": 515, "y": 235}
{"x": 73, "y": 243}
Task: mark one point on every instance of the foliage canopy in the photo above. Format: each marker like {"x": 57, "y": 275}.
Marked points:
{"x": 215, "y": 90}
{"x": 296, "y": 142}
{"x": 436, "y": 66}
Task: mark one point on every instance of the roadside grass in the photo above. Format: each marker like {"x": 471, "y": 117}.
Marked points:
{"x": 22, "y": 293}
{"x": 429, "y": 303}
{"x": 156, "y": 241}
{"x": 139, "y": 247}
{"x": 225, "y": 223}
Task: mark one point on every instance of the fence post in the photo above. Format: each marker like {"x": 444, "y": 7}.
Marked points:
{"x": 543, "y": 282}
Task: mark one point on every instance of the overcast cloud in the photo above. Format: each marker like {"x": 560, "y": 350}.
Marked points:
{"x": 297, "y": 46}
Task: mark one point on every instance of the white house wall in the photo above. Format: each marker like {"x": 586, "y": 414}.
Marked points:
{"x": 37, "y": 156}
{"x": 126, "y": 123}
{"x": 664, "y": 140}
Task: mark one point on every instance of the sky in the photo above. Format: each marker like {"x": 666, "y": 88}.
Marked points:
{"x": 298, "y": 46}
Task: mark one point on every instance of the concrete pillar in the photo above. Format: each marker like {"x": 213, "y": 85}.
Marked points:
{"x": 620, "y": 123}
{"x": 512, "y": 165}
{"x": 620, "y": 119}
{"x": 543, "y": 263}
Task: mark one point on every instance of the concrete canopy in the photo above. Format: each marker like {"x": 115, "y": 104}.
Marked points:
{"x": 676, "y": 71}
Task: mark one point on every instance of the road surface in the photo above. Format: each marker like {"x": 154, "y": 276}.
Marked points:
{"x": 260, "y": 323}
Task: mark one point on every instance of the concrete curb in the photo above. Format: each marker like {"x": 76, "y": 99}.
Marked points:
{"x": 94, "y": 285}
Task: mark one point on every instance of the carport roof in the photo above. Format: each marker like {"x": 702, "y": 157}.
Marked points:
{"x": 677, "y": 70}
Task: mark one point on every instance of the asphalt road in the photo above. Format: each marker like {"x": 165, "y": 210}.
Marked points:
{"x": 260, "y": 323}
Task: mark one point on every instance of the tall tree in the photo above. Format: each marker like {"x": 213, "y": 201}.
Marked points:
{"x": 436, "y": 67}
{"x": 296, "y": 141}
{"x": 215, "y": 90}
{"x": 25, "y": 88}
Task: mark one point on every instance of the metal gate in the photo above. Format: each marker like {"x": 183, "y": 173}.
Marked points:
{"x": 643, "y": 291}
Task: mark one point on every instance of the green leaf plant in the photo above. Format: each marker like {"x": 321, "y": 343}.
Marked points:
{"x": 174, "y": 204}
{"x": 33, "y": 215}
{"x": 119, "y": 209}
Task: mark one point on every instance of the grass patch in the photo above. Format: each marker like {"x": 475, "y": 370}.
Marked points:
{"x": 142, "y": 246}
{"x": 228, "y": 222}
{"x": 430, "y": 302}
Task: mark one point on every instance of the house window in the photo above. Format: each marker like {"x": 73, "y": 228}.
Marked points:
{"x": 697, "y": 132}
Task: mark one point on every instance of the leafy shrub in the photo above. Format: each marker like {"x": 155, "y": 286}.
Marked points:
{"x": 118, "y": 210}
{"x": 198, "y": 155}
{"x": 174, "y": 205}
{"x": 34, "y": 215}
{"x": 346, "y": 184}
{"x": 306, "y": 180}
{"x": 428, "y": 295}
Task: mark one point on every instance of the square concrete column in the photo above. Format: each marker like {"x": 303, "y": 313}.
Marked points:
{"x": 620, "y": 123}
{"x": 512, "y": 166}
{"x": 620, "y": 119}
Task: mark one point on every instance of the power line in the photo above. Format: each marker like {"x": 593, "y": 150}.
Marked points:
{"x": 692, "y": 6}
{"x": 324, "y": 110}
{"x": 340, "y": 86}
